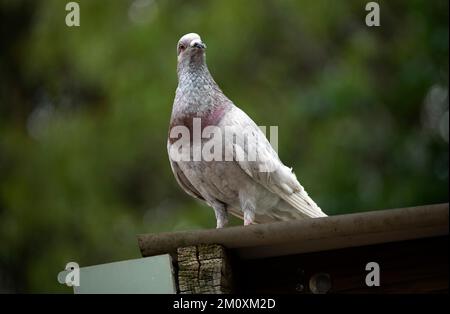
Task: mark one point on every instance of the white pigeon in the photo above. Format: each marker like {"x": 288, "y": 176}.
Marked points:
{"x": 259, "y": 189}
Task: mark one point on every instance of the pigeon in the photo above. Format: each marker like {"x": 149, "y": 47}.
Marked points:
{"x": 260, "y": 189}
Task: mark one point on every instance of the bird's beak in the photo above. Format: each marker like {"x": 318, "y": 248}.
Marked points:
{"x": 197, "y": 43}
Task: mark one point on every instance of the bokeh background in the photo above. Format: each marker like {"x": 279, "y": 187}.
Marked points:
{"x": 362, "y": 115}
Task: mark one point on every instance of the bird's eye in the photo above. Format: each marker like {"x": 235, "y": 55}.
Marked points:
{"x": 182, "y": 47}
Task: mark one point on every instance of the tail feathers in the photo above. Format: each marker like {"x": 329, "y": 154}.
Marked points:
{"x": 293, "y": 193}
{"x": 297, "y": 205}
{"x": 302, "y": 202}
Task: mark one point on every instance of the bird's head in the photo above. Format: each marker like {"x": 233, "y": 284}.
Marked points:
{"x": 190, "y": 48}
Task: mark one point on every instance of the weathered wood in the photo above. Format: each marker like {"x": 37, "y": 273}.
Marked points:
{"x": 413, "y": 266}
{"x": 310, "y": 235}
{"x": 203, "y": 268}
{"x": 410, "y": 245}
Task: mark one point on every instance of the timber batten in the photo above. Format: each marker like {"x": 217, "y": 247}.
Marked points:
{"x": 410, "y": 243}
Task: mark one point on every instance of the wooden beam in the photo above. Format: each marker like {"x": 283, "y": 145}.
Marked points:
{"x": 310, "y": 235}
{"x": 203, "y": 268}
{"x": 413, "y": 266}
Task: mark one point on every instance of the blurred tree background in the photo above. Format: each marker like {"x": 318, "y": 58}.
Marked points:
{"x": 362, "y": 115}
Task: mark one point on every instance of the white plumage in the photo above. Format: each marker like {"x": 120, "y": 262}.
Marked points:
{"x": 243, "y": 187}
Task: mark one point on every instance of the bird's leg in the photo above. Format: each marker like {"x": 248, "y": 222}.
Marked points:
{"x": 249, "y": 213}
{"x": 249, "y": 217}
{"x": 221, "y": 214}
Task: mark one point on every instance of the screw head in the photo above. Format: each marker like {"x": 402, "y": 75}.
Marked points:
{"x": 320, "y": 283}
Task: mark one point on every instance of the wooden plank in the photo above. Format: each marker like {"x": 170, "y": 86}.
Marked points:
{"x": 413, "y": 266}
{"x": 310, "y": 235}
{"x": 203, "y": 268}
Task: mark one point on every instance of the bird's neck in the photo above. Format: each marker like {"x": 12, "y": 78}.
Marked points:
{"x": 198, "y": 96}
{"x": 194, "y": 73}
{"x": 196, "y": 88}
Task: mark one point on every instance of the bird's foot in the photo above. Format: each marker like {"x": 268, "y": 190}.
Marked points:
{"x": 221, "y": 223}
{"x": 248, "y": 222}
{"x": 221, "y": 215}
{"x": 249, "y": 213}
{"x": 249, "y": 218}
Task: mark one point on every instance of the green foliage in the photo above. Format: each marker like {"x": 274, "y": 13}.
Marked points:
{"x": 362, "y": 115}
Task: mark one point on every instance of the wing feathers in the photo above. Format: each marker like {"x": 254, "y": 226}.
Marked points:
{"x": 280, "y": 179}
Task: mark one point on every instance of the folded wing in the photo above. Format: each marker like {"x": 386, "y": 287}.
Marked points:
{"x": 256, "y": 157}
